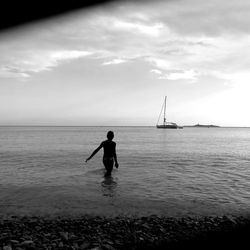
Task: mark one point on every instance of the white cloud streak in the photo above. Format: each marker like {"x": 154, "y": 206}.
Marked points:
{"x": 115, "y": 61}
{"x": 151, "y": 30}
{"x": 189, "y": 75}
{"x": 38, "y": 60}
{"x": 156, "y": 71}
{"x": 185, "y": 75}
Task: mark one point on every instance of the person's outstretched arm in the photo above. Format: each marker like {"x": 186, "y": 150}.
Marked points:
{"x": 116, "y": 162}
{"x": 95, "y": 151}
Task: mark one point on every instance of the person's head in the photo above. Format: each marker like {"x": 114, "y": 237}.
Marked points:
{"x": 110, "y": 135}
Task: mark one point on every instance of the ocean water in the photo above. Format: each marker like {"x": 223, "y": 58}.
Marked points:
{"x": 184, "y": 172}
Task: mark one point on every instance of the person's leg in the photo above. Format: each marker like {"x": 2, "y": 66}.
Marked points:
{"x": 108, "y": 163}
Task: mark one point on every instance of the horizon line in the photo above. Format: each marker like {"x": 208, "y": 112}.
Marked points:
{"x": 187, "y": 126}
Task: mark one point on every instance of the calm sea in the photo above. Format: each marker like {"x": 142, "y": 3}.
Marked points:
{"x": 184, "y": 172}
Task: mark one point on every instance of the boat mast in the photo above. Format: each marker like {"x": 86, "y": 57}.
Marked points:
{"x": 164, "y": 120}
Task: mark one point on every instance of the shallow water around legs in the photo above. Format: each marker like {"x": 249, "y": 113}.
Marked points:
{"x": 184, "y": 172}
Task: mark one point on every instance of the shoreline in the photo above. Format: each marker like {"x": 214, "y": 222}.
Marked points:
{"x": 123, "y": 232}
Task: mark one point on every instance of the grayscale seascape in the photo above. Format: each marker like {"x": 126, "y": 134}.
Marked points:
{"x": 124, "y": 125}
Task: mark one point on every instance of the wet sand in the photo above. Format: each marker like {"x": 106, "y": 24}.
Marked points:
{"x": 97, "y": 233}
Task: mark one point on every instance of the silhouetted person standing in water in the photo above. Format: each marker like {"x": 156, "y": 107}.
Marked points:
{"x": 109, "y": 155}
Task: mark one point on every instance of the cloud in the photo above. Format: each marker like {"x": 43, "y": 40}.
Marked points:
{"x": 181, "y": 39}
{"x": 156, "y": 71}
{"x": 184, "y": 75}
{"x": 189, "y": 75}
{"x": 151, "y": 30}
{"x": 207, "y": 18}
{"x": 36, "y": 61}
{"x": 11, "y": 72}
{"x": 68, "y": 55}
{"x": 115, "y": 61}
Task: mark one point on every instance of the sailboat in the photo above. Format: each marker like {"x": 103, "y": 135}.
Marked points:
{"x": 166, "y": 124}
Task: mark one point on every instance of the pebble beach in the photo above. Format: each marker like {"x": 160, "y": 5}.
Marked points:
{"x": 105, "y": 233}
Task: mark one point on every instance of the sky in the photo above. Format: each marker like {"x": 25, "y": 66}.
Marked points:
{"x": 114, "y": 64}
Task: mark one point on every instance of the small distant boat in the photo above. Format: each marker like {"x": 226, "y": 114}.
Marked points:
{"x": 170, "y": 125}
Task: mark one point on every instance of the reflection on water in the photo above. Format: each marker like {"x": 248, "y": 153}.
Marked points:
{"x": 109, "y": 186}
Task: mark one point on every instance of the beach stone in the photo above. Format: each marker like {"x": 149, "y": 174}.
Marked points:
{"x": 109, "y": 242}
{"x": 75, "y": 245}
{"x": 14, "y": 242}
{"x": 60, "y": 244}
{"x": 27, "y": 243}
{"x": 64, "y": 235}
{"x": 8, "y": 247}
{"x": 53, "y": 245}
{"x": 72, "y": 237}
{"x": 84, "y": 246}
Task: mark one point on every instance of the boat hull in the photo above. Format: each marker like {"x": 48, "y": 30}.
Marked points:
{"x": 167, "y": 126}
